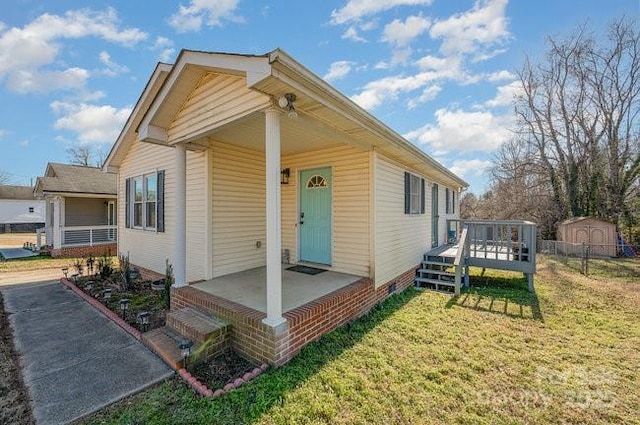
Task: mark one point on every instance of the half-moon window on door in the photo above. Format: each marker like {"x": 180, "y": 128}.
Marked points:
{"x": 316, "y": 181}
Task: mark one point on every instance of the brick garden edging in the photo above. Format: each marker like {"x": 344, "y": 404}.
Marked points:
{"x": 102, "y": 308}
{"x": 191, "y": 380}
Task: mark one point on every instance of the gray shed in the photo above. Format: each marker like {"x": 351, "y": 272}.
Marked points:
{"x": 598, "y": 234}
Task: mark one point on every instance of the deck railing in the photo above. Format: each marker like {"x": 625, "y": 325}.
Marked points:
{"x": 88, "y": 235}
{"x": 460, "y": 260}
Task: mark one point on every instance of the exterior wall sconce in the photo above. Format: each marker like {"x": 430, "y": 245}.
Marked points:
{"x": 285, "y": 173}
{"x": 185, "y": 349}
{"x": 286, "y": 102}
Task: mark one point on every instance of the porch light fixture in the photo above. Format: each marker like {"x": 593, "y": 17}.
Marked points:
{"x": 286, "y": 102}
{"x": 185, "y": 348}
{"x": 124, "y": 306}
{"x": 285, "y": 173}
{"x": 143, "y": 319}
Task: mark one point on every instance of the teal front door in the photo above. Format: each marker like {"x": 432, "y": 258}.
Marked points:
{"x": 315, "y": 215}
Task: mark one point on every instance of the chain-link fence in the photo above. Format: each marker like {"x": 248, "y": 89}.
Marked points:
{"x": 595, "y": 259}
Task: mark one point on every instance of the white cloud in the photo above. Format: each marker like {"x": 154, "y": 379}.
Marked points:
{"x": 470, "y": 167}
{"x": 112, "y": 68}
{"x": 485, "y": 24}
{"x": 338, "y": 70}
{"x": 401, "y": 33}
{"x": 354, "y": 10}
{"x": 3, "y": 133}
{"x": 165, "y": 47}
{"x": 208, "y": 12}
{"x": 91, "y": 123}
{"x": 500, "y": 76}
{"x": 506, "y": 95}
{"x": 486, "y": 55}
{"x": 352, "y": 34}
{"x": 428, "y": 94}
{"x": 375, "y": 92}
{"x": 38, "y": 81}
{"x": 463, "y": 131}
{"x": 25, "y": 51}
{"x": 23, "y": 143}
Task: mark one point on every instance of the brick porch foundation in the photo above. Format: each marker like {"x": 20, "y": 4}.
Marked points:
{"x": 261, "y": 343}
{"x": 85, "y": 251}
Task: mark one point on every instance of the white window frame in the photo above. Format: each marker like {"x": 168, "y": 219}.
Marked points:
{"x": 143, "y": 179}
{"x": 415, "y": 194}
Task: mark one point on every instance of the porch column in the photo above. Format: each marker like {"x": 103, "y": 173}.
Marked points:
{"x": 180, "y": 235}
{"x": 274, "y": 244}
{"x": 57, "y": 222}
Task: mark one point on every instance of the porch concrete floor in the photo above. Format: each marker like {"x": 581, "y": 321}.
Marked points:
{"x": 248, "y": 287}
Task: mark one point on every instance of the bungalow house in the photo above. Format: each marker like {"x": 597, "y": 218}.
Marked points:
{"x": 238, "y": 168}
{"x": 80, "y": 213}
{"x": 20, "y": 210}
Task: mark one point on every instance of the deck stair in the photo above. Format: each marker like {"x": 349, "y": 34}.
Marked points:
{"x": 209, "y": 334}
{"x": 436, "y": 272}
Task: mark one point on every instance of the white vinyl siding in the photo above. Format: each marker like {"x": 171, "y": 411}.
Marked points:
{"x": 217, "y": 99}
{"x": 151, "y": 249}
{"x": 350, "y": 203}
{"x": 401, "y": 239}
{"x": 238, "y": 202}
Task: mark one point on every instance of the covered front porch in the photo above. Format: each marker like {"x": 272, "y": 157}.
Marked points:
{"x": 248, "y": 287}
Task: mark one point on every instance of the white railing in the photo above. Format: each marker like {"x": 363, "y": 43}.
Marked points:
{"x": 88, "y": 235}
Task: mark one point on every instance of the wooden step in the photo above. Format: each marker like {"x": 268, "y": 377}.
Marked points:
{"x": 438, "y": 259}
{"x": 197, "y": 326}
{"x": 438, "y": 272}
{"x": 435, "y": 281}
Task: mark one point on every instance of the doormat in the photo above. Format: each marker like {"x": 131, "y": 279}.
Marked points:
{"x": 306, "y": 270}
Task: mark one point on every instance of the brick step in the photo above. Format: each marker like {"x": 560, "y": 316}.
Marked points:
{"x": 197, "y": 326}
{"x": 164, "y": 343}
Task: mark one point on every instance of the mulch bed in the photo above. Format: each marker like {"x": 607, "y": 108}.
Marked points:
{"x": 221, "y": 370}
{"x": 14, "y": 398}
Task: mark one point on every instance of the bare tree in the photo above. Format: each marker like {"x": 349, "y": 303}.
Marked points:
{"x": 86, "y": 156}
{"x": 5, "y": 178}
{"x": 579, "y": 117}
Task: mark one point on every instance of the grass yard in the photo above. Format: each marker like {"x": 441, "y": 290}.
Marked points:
{"x": 496, "y": 355}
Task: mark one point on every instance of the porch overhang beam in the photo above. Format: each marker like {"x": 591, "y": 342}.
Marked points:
{"x": 153, "y": 134}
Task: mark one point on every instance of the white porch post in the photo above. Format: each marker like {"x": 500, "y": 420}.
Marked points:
{"x": 274, "y": 244}
{"x": 57, "y": 222}
{"x": 180, "y": 236}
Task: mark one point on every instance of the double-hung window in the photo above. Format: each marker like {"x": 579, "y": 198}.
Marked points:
{"x": 145, "y": 201}
{"x": 413, "y": 194}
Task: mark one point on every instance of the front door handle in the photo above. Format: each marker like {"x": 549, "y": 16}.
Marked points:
{"x": 301, "y": 218}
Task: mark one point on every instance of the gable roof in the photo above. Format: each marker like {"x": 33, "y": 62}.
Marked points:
{"x": 17, "y": 192}
{"x": 272, "y": 74}
{"x": 579, "y": 219}
{"x": 67, "y": 178}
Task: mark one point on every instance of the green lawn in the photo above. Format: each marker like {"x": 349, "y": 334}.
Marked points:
{"x": 495, "y": 355}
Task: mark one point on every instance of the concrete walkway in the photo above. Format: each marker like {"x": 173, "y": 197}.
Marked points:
{"x": 13, "y": 253}
{"x": 74, "y": 360}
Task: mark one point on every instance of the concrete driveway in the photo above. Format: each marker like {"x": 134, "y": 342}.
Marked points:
{"x": 74, "y": 360}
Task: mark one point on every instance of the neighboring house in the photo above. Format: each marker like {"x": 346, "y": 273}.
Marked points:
{"x": 81, "y": 206}
{"x": 20, "y": 211}
{"x": 231, "y": 163}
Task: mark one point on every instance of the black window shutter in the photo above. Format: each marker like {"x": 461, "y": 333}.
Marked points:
{"x": 447, "y": 204}
{"x": 160, "y": 202}
{"x": 422, "y": 200}
{"x": 453, "y": 202}
{"x": 127, "y": 203}
{"x": 407, "y": 193}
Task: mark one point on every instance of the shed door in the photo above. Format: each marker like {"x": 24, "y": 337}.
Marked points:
{"x": 315, "y": 215}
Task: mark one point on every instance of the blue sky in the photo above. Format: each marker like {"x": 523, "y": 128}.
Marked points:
{"x": 439, "y": 72}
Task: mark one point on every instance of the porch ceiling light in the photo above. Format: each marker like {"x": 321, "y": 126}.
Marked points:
{"x": 286, "y": 102}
